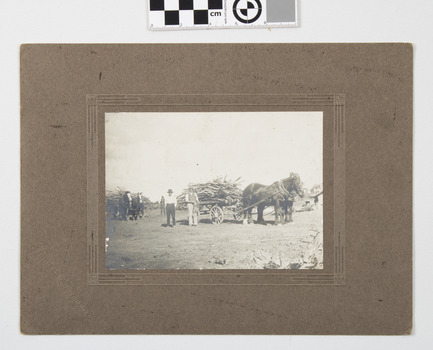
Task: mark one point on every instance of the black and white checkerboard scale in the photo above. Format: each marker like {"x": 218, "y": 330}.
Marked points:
{"x": 199, "y": 14}
{"x": 183, "y": 12}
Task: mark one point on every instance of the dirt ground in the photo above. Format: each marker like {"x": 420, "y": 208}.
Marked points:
{"x": 148, "y": 244}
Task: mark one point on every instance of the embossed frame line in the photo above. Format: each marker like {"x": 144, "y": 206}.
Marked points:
{"x": 97, "y": 105}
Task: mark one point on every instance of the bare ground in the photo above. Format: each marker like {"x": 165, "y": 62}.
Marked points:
{"x": 148, "y": 244}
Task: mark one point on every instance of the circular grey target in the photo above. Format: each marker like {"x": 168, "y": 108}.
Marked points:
{"x": 247, "y": 11}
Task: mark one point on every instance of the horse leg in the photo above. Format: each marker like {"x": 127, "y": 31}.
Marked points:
{"x": 290, "y": 211}
{"x": 260, "y": 210}
{"x": 247, "y": 212}
{"x": 283, "y": 212}
{"x": 250, "y": 216}
{"x": 248, "y": 219}
{"x": 277, "y": 212}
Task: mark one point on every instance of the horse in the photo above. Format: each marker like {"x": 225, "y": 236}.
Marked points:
{"x": 280, "y": 195}
{"x": 125, "y": 203}
{"x": 140, "y": 205}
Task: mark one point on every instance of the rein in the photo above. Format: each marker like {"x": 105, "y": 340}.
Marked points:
{"x": 282, "y": 189}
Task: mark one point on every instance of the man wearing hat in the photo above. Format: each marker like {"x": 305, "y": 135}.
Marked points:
{"x": 171, "y": 207}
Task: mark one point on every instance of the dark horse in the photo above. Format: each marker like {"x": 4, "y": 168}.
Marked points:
{"x": 281, "y": 195}
{"x": 125, "y": 204}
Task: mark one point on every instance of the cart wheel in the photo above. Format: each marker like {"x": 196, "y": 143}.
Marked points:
{"x": 216, "y": 215}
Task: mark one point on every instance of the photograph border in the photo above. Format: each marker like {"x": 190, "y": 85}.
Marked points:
{"x": 299, "y": 102}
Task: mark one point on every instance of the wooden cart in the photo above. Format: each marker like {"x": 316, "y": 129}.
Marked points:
{"x": 215, "y": 209}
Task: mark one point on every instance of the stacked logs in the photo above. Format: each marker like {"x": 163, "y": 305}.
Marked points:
{"x": 223, "y": 190}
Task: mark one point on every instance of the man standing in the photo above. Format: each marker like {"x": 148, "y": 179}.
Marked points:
{"x": 162, "y": 205}
{"x": 192, "y": 203}
{"x": 171, "y": 207}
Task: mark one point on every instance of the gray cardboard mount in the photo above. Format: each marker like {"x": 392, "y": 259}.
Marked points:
{"x": 368, "y": 288}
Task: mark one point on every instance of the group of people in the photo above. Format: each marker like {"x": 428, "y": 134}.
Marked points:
{"x": 168, "y": 207}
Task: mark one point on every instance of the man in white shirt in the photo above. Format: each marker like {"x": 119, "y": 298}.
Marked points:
{"x": 192, "y": 203}
{"x": 171, "y": 203}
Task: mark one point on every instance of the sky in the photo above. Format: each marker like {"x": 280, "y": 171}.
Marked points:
{"x": 152, "y": 152}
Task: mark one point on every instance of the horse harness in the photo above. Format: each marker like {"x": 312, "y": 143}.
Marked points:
{"x": 282, "y": 190}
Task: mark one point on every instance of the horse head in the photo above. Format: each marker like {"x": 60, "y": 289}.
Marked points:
{"x": 294, "y": 184}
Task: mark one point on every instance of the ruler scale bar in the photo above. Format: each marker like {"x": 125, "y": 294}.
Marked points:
{"x": 218, "y": 14}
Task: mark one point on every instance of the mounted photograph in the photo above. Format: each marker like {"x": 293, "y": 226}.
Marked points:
{"x": 214, "y": 190}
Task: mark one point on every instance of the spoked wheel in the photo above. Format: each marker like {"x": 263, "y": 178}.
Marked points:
{"x": 216, "y": 215}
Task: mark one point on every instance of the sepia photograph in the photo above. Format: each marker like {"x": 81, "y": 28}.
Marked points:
{"x": 214, "y": 190}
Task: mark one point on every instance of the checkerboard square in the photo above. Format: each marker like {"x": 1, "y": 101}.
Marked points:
{"x": 171, "y": 18}
{"x": 201, "y": 17}
{"x": 186, "y": 4}
{"x": 156, "y": 5}
{"x": 170, "y": 5}
{"x": 156, "y": 19}
{"x": 186, "y": 18}
{"x": 215, "y": 4}
{"x": 200, "y": 4}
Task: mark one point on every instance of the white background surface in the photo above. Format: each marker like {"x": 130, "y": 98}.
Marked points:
{"x": 109, "y": 21}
